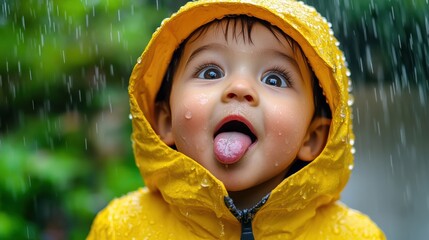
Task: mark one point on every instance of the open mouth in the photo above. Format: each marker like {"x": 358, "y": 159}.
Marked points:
{"x": 236, "y": 126}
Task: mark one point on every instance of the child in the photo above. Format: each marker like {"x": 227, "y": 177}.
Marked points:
{"x": 233, "y": 134}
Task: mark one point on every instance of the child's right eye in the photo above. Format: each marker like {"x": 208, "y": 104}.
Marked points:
{"x": 209, "y": 72}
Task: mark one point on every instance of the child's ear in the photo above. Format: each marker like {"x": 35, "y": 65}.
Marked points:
{"x": 315, "y": 140}
{"x": 163, "y": 123}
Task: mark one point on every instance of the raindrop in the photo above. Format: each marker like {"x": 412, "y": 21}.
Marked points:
{"x": 348, "y": 73}
{"x": 205, "y": 183}
{"x": 351, "y": 100}
{"x": 64, "y": 56}
{"x": 188, "y": 115}
{"x": 23, "y": 22}
{"x": 112, "y": 72}
{"x": 336, "y": 229}
{"x": 19, "y": 68}
{"x": 202, "y": 99}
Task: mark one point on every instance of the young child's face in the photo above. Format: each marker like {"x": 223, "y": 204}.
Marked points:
{"x": 260, "y": 88}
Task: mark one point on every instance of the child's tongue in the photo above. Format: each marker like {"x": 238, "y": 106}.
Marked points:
{"x": 229, "y": 147}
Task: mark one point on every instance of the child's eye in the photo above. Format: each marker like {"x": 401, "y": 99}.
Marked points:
{"x": 210, "y": 72}
{"x": 276, "y": 79}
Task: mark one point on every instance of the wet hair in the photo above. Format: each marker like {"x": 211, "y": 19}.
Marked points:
{"x": 246, "y": 24}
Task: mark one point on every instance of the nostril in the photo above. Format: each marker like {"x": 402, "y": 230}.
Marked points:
{"x": 231, "y": 95}
{"x": 248, "y": 98}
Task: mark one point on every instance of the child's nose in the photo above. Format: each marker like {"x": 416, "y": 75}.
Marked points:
{"x": 241, "y": 89}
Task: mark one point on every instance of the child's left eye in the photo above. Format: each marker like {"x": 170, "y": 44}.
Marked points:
{"x": 276, "y": 79}
{"x": 210, "y": 72}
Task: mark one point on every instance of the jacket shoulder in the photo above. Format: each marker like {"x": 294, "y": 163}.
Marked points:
{"x": 128, "y": 215}
{"x": 345, "y": 223}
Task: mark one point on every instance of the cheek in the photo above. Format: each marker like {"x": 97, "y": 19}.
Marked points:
{"x": 286, "y": 126}
{"x": 189, "y": 120}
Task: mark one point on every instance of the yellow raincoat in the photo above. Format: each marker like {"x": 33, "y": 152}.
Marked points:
{"x": 182, "y": 200}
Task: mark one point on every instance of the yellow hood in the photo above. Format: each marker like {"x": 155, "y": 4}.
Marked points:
{"x": 187, "y": 188}
{"x": 323, "y": 179}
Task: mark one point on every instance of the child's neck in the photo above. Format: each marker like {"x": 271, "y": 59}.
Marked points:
{"x": 247, "y": 198}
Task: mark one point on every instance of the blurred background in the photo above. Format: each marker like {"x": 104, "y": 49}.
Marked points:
{"x": 65, "y": 148}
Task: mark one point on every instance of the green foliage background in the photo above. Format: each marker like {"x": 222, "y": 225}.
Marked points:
{"x": 64, "y": 66}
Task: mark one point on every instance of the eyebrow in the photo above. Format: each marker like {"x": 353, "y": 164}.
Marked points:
{"x": 204, "y": 48}
{"x": 211, "y": 46}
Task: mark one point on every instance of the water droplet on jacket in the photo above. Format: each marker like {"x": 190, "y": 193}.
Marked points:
{"x": 351, "y": 166}
{"x": 130, "y": 116}
{"x": 353, "y": 150}
{"x": 139, "y": 60}
{"x": 348, "y": 73}
{"x": 366, "y": 233}
{"x": 222, "y": 229}
{"x": 351, "y": 100}
{"x": 205, "y": 183}
{"x": 336, "y": 229}
{"x": 352, "y": 142}
{"x": 188, "y": 115}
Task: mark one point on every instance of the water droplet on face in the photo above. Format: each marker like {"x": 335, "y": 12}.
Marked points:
{"x": 276, "y": 164}
{"x": 202, "y": 99}
{"x": 188, "y": 115}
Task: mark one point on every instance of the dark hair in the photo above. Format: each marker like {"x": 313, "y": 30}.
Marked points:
{"x": 246, "y": 23}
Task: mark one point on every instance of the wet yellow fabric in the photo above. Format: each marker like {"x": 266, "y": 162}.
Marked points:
{"x": 182, "y": 200}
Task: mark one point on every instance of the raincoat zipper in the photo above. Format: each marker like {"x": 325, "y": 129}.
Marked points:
{"x": 245, "y": 216}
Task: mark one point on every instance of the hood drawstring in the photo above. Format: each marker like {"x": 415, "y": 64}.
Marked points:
{"x": 245, "y": 216}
